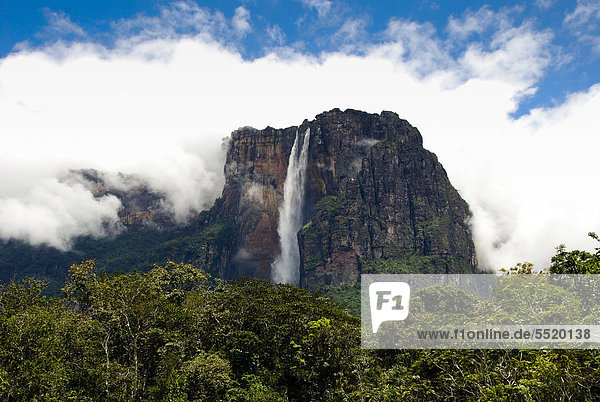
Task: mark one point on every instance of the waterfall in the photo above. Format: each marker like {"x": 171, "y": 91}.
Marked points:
{"x": 286, "y": 267}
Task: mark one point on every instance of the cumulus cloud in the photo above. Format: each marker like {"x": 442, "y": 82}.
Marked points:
{"x": 93, "y": 109}
{"x": 518, "y": 53}
{"x": 538, "y": 193}
{"x": 53, "y": 213}
{"x": 159, "y": 102}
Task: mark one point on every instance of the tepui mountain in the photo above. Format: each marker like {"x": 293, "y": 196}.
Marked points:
{"x": 373, "y": 200}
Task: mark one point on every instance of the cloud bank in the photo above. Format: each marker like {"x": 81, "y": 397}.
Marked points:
{"x": 159, "y": 101}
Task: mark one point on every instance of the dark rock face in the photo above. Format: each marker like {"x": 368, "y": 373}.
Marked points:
{"x": 255, "y": 170}
{"x": 373, "y": 193}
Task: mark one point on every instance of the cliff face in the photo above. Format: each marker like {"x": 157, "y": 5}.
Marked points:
{"x": 255, "y": 170}
{"x": 374, "y": 198}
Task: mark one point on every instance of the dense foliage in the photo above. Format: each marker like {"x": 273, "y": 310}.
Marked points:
{"x": 173, "y": 333}
{"x": 176, "y": 333}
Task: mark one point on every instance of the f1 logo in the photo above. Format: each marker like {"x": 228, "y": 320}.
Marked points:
{"x": 388, "y": 301}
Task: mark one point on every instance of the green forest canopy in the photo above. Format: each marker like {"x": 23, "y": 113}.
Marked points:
{"x": 176, "y": 333}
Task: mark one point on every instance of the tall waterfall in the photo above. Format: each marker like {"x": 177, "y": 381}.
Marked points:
{"x": 286, "y": 267}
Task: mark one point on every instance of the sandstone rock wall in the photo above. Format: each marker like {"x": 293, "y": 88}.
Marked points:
{"x": 373, "y": 193}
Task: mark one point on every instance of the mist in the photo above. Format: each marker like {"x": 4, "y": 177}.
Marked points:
{"x": 160, "y": 106}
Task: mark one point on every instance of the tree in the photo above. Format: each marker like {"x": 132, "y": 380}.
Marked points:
{"x": 576, "y": 261}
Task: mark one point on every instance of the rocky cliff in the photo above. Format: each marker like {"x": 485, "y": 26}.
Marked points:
{"x": 376, "y": 201}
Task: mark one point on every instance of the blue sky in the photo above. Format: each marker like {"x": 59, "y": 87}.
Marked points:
{"x": 506, "y": 94}
{"x": 311, "y": 26}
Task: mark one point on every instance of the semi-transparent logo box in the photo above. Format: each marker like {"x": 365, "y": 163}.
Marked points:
{"x": 480, "y": 311}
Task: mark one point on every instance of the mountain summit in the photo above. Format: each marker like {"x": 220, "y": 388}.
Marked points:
{"x": 374, "y": 201}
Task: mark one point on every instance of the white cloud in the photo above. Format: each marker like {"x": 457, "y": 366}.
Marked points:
{"x": 179, "y": 19}
{"x": 503, "y": 50}
{"x": 54, "y": 212}
{"x": 474, "y": 22}
{"x": 544, "y": 4}
{"x": 515, "y": 54}
{"x": 351, "y": 34}
{"x": 586, "y": 12}
{"x": 159, "y": 104}
{"x": 60, "y": 24}
{"x": 584, "y": 21}
{"x": 547, "y": 197}
{"x": 322, "y": 6}
{"x": 241, "y": 21}
{"x": 416, "y": 45}
{"x": 485, "y": 22}
{"x": 276, "y": 34}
